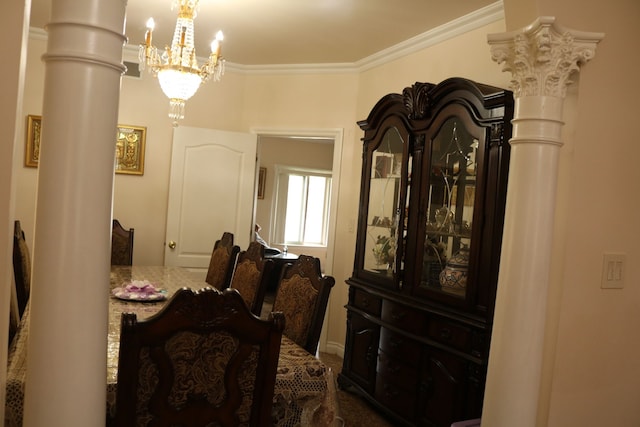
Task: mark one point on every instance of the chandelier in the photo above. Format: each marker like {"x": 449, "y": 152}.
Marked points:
{"x": 177, "y": 68}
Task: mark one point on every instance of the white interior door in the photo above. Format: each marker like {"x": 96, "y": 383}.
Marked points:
{"x": 211, "y": 190}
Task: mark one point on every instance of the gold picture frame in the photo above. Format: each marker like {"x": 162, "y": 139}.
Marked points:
{"x": 130, "y": 146}
{"x": 32, "y": 149}
{"x": 262, "y": 177}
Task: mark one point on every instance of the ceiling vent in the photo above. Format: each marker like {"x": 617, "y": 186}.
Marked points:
{"x": 133, "y": 69}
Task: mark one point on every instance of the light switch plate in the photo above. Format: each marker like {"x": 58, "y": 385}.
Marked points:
{"x": 613, "y": 271}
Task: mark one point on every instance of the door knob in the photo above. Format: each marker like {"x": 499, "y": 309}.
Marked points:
{"x": 172, "y": 244}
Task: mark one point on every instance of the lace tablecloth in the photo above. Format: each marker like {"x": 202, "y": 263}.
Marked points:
{"x": 304, "y": 391}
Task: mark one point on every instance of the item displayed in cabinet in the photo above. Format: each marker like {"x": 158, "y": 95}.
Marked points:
{"x": 434, "y": 262}
{"x": 420, "y": 312}
{"x": 384, "y": 250}
{"x": 453, "y": 278}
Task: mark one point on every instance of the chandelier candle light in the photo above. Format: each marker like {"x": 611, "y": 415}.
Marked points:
{"x": 177, "y": 69}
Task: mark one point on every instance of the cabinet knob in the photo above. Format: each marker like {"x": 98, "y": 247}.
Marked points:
{"x": 426, "y": 385}
{"x": 395, "y": 343}
{"x": 371, "y": 355}
{"x": 390, "y": 391}
{"x": 445, "y": 333}
{"x": 398, "y": 315}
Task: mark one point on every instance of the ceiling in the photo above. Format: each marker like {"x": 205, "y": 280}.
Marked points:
{"x": 264, "y": 32}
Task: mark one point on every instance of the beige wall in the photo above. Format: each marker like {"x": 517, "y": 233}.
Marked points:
{"x": 595, "y": 373}
{"x": 467, "y": 55}
{"x": 591, "y": 373}
{"x": 13, "y": 27}
{"x": 318, "y": 101}
{"x": 139, "y": 201}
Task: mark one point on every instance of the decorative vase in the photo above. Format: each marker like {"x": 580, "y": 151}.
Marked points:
{"x": 453, "y": 278}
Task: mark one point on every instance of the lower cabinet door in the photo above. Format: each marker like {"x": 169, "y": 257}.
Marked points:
{"x": 442, "y": 389}
{"x": 361, "y": 355}
{"x": 395, "y": 397}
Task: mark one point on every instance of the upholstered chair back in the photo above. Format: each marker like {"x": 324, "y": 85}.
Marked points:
{"x": 223, "y": 259}
{"x": 121, "y": 244}
{"x": 203, "y": 360}
{"x": 302, "y": 295}
{"x": 251, "y": 275}
{"x": 21, "y": 267}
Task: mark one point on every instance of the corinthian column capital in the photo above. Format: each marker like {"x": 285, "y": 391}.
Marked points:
{"x": 542, "y": 56}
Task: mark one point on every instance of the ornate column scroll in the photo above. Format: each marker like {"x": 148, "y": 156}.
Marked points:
{"x": 541, "y": 58}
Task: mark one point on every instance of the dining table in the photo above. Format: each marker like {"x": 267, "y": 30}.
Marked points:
{"x": 304, "y": 395}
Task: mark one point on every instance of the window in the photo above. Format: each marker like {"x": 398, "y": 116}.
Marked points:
{"x": 302, "y": 206}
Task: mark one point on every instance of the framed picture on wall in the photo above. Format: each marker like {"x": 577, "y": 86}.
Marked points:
{"x": 383, "y": 165}
{"x": 262, "y": 177}
{"x": 130, "y": 142}
{"x": 130, "y": 146}
{"x": 32, "y": 148}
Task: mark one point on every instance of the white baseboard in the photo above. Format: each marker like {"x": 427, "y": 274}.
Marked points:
{"x": 336, "y": 348}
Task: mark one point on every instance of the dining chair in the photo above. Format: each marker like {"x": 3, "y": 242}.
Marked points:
{"x": 14, "y": 321}
{"x": 121, "y": 244}
{"x": 202, "y": 360}
{"x": 223, "y": 260}
{"x": 251, "y": 276}
{"x": 21, "y": 267}
{"x": 302, "y": 295}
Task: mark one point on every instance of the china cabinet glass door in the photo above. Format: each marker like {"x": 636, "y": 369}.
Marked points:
{"x": 450, "y": 209}
{"x": 383, "y": 214}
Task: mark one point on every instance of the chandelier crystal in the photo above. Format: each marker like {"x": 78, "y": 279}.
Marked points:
{"x": 177, "y": 68}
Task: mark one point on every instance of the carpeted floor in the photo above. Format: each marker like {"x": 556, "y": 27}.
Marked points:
{"x": 355, "y": 411}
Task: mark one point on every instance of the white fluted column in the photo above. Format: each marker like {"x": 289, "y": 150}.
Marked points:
{"x": 541, "y": 58}
{"x": 66, "y": 381}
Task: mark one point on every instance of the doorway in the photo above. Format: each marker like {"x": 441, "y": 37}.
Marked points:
{"x": 307, "y": 136}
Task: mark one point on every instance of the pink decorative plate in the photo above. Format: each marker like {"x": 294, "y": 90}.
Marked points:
{"x": 139, "y": 290}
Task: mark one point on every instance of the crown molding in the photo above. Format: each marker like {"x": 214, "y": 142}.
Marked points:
{"x": 474, "y": 20}
{"x": 37, "y": 33}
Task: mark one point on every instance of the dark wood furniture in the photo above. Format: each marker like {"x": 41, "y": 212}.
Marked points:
{"x": 223, "y": 260}
{"x": 421, "y": 297}
{"x": 280, "y": 260}
{"x": 204, "y": 359}
{"x": 121, "y": 244}
{"x": 22, "y": 280}
{"x": 302, "y": 295}
{"x": 21, "y": 267}
{"x": 251, "y": 275}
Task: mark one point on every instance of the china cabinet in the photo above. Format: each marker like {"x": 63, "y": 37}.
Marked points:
{"x": 421, "y": 297}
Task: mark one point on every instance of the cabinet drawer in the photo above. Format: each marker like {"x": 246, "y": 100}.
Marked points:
{"x": 395, "y": 398}
{"x": 396, "y": 371}
{"x": 398, "y": 346}
{"x": 406, "y": 318}
{"x": 451, "y": 334}
{"x": 367, "y": 302}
